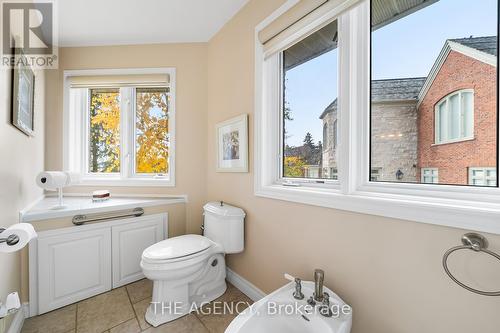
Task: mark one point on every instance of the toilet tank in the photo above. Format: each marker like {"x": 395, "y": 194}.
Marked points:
{"x": 223, "y": 224}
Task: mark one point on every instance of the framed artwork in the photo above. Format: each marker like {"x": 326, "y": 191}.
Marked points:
{"x": 232, "y": 145}
{"x": 23, "y": 91}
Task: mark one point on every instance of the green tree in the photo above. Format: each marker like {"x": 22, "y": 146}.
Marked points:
{"x": 293, "y": 166}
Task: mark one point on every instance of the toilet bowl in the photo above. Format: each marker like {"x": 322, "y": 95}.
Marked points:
{"x": 190, "y": 270}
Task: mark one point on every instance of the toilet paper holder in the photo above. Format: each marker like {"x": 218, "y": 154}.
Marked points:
{"x": 11, "y": 240}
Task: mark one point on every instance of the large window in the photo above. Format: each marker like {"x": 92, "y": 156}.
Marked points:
{"x": 309, "y": 70}
{"x": 433, "y": 89}
{"x": 455, "y": 117}
{"x": 119, "y": 126}
{"x": 399, "y": 65}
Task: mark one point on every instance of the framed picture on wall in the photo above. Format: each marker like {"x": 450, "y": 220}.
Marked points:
{"x": 232, "y": 145}
{"x": 23, "y": 91}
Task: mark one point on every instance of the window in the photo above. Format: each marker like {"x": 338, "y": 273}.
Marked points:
{"x": 455, "y": 117}
{"x": 483, "y": 176}
{"x": 375, "y": 174}
{"x": 433, "y": 89}
{"x": 309, "y": 70}
{"x": 152, "y": 139}
{"x": 396, "y": 62}
{"x": 120, "y": 126}
{"x": 104, "y": 131}
{"x": 429, "y": 175}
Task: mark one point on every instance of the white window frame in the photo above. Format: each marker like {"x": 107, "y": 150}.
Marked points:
{"x": 435, "y": 178}
{"x": 75, "y": 129}
{"x": 484, "y": 169}
{"x": 461, "y": 120}
{"x": 474, "y": 208}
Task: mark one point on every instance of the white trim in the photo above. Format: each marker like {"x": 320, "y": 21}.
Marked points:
{"x": 17, "y": 323}
{"x": 443, "y": 55}
{"x": 127, "y": 176}
{"x": 244, "y": 285}
{"x": 474, "y": 208}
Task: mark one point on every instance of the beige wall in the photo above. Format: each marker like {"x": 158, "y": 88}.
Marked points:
{"x": 388, "y": 270}
{"x": 190, "y": 61}
{"x": 22, "y": 157}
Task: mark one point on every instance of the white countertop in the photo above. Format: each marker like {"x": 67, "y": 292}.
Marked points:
{"x": 74, "y": 205}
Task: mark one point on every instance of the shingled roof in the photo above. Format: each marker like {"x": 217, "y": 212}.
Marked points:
{"x": 486, "y": 44}
{"x": 406, "y": 89}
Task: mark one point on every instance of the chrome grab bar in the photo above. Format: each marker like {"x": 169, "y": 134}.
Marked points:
{"x": 477, "y": 243}
{"x": 83, "y": 219}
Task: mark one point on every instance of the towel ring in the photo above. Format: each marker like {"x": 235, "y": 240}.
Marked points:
{"x": 474, "y": 242}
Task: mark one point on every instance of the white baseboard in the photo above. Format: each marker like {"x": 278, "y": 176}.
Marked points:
{"x": 244, "y": 286}
{"x": 18, "y": 321}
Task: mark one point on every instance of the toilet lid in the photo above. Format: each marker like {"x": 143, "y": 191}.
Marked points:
{"x": 177, "y": 247}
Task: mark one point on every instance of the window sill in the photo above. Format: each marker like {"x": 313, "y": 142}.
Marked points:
{"x": 452, "y": 141}
{"x": 445, "y": 212}
{"x": 130, "y": 182}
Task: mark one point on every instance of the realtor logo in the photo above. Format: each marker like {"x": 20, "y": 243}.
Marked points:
{"x": 28, "y": 34}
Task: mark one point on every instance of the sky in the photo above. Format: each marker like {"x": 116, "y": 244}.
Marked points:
{"x": 405, "y": 48}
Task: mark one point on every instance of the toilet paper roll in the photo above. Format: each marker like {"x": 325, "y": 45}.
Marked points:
{"x": 24, "y": 231}
{"x": 51, "y": 180}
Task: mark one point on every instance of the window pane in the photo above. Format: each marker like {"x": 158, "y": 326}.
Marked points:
{"x": 454, "y": 111}
{"x": 468, "y": 113}
{"x": 310, "y": 106}
{"x": 151, "y": 131}
{"x": 425, "y": 108}
{"x": 104, "y": 133}
{"x": 443, "y": 122}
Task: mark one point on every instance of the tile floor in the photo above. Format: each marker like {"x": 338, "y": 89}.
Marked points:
{"x": 122, "y": 311}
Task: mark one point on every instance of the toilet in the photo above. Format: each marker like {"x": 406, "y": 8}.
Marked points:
{"x": 190, "y": 270}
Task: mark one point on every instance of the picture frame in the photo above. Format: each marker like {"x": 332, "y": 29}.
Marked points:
{"x": 23, "y": 95}
{"x": 232, "y": 145}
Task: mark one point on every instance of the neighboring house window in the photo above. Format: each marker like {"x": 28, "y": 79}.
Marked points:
{"x": 454, "y": 116}
{"x": 120, "y": 126}
{"x": 483, "y": 176}
{"x": 429, "y": 175}
{"x": 375, "y": 174}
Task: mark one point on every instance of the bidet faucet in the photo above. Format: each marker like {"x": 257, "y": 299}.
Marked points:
{"x": 319, "y": 276}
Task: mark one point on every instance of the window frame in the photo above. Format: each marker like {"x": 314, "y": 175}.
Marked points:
{"x": 75, "y": 145}
{"x": 440, "y": 204}
{"x": 422, "y": 175}
{"x": 437, "y": 118}
{"x": 485, "y": 170}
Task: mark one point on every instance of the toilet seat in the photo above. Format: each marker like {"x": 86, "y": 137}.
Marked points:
{"x": 181, "y": 248}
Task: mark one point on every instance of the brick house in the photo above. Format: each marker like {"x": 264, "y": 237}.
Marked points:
{"x": 457, "y": 115}
{"x": 440, "y": 128}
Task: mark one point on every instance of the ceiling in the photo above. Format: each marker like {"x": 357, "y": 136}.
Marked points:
{"x": 119, "y": 22}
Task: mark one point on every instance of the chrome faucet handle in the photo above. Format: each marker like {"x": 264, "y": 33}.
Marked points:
{"x": 325, "y": 309}
{"x": 298, "y": 289}
{"x": 297, "y": 294}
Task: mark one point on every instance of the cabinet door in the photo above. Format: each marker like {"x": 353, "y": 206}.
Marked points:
{"x": 73, "y": 266}
{"x": 129, "y": 241}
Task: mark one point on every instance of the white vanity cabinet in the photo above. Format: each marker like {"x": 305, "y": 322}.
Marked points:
{"x": 128, "y": 243}
{"x": 74, "y": 263}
